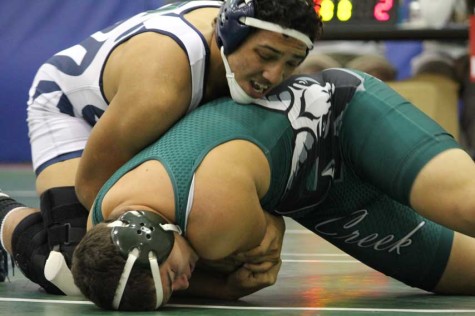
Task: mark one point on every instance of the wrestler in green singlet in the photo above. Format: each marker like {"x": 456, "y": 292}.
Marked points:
{"x": 344, "y": 150}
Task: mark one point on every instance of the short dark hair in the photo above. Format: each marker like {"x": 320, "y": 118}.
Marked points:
{"x": 299, "y": 15}
{"x": 97, "y": 266}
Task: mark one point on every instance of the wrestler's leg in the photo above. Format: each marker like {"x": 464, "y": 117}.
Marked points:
{"x": 382, "y": 233}
{"x": 386, "y": 142}
{"x": 444, "y": 191}
{"x": 394, "y": 146}
{"x": 57, "y": 140}
{"x": 459, "y": 275}
{"x": 28, "y": 236}
{"x": 61, "y": 174}
{"x": 388, "y": 238}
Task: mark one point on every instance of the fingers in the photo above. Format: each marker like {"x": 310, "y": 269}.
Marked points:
{"x": 255, "y": 280}
{"x": 268, "y": 249}
{"x": 259, "y": 267}
{"x": 258, "y": 254}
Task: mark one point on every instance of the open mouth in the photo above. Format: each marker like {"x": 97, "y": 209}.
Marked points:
{"x": 259, "y": 87}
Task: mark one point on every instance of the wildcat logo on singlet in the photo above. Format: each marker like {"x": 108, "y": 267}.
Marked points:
{"x": 308, "y": 105}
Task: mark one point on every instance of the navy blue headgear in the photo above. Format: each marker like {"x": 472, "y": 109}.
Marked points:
{"x": 230, "y": 32}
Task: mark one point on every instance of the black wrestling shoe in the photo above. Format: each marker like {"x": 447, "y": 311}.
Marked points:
{"x": 3, "y": 264}
{"x": 6, "y": 204}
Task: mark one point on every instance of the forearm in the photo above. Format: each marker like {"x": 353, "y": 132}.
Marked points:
{"x": 94, "y": 170}
{"x": 230, "y": 279}
{"x": 86, "y": 192}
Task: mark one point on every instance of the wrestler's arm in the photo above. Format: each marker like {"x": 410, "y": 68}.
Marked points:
{"x": 227, "y": 219}
{"x": 149, "y": 79}
{"x": 240, "y": 275}
{"x": 231, "y": 286}
{"x": 267, "y": 253}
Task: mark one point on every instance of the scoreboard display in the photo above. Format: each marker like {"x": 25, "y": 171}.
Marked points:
{"x": 358, "y": 12}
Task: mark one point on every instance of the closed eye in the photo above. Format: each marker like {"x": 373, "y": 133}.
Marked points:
{"x": 265, "y": 57}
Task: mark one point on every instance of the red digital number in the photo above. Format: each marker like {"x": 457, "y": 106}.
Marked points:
{"x": 381, "y": 10}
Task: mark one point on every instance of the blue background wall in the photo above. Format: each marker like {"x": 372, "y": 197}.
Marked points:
{"x": 32, "y": 31}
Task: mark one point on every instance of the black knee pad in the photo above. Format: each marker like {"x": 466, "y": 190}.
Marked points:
{"x": 30, "y": 250}
{"x": 65, "y": 220}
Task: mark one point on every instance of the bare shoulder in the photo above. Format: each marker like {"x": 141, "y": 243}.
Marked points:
{"x": 226, "y": 215}
{"x": 149, "y": 59}
{"x": 203, "y": 19}
{"x": 148, "y": 84}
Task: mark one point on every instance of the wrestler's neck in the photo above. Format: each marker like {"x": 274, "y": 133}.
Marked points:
{"x": 216, "y": 84}
{"x": 204, "y": 20}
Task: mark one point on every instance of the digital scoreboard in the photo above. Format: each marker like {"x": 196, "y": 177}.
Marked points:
{"x": 358, "y": 12}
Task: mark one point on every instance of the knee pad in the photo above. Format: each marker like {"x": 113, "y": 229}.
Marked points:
{"x": 30, "y": 250}
{"x": 64, "y": 219}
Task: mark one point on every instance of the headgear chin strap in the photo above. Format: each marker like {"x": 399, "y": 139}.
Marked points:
{"x": 237, "y": 93}
{"x": 144, "y": 237}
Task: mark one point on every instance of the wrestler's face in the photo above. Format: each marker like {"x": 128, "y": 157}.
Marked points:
{"x": 177, "y": 269}
{"x": 264, "y": 60}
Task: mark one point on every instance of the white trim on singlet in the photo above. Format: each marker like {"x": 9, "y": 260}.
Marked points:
{"x": 189, "y": 202}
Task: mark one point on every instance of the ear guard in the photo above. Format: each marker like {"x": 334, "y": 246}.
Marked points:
{"x": 235, "y": 21}
{"x": 144, "y": 237}
{"x": 230, "y": 32}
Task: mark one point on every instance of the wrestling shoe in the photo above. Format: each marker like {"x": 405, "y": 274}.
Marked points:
{"x": 6, "y": 204}
{"x": 3, "y": 264}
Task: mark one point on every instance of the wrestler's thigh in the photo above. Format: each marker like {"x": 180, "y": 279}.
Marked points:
{"x": 59, "y": 174}
{"x": 459, "y": 275}
{"x": 382, "y": 233}
{"x": 387, "y": 141}
{"x": 444, "y": 191}
{"x": 58, "y": 134}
